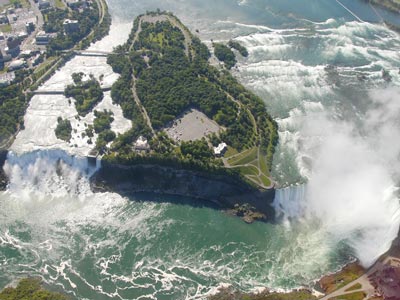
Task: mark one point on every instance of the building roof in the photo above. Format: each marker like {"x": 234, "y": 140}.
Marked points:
{"x": 15, "y": 64}
{"x": 142, "y": 143}
{"x": 221, "y": 148}
{"x": 68, "y": 21}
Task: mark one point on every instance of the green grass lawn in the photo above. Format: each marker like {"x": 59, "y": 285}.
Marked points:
{"x": 231, "y": 151}
{"x": 255, "y": 179}
{"x": 297, "y": 295}
{"x": 248, "y": 170}
{"x": 357, "y": 286}
{"x": 265, "y": 180}
{"x": 336, "y": 281}
{"x": 5, "y": 28}
{"x": 352, "y": 296}
{"x": 43, "y": 65}
{"x": 263, "y": 164}
{"x": 59, "y": 4}
{"x": 244, "y": 158}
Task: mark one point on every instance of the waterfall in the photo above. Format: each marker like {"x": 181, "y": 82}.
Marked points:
{"x": 51, "y": 173}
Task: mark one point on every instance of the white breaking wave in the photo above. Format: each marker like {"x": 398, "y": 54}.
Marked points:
{"x": 48, "y": 173}
{"x": 43, "y": 111}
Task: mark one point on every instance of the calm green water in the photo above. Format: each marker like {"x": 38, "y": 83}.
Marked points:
{"x": 105, "y": 246}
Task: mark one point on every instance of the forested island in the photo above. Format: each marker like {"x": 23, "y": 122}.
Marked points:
{"x": 185, "y": 112}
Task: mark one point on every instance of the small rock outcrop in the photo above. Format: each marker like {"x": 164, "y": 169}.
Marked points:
{"x": 248, "y": 213}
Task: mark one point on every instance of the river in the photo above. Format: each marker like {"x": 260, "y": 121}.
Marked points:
{"x": 318, "y": 67}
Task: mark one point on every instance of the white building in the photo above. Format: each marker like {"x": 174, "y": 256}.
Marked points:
{"x": 220, "y": 150}
{"x": 42, "y": 38}
{"x": 141, "y": 144}
{"x": 17, "y": 64}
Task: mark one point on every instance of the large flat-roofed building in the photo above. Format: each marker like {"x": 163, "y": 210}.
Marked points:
{"x": 75, "y": 3}
{"x": 29, "y": 26}
{"x": 3, "y": 19}
{"x": 44, "y": 4}
{"x": 42, "y": 38}
{"x": 12, "y": 48}
{"x": 17, "y": 64}
{"x": 4, "y": 57}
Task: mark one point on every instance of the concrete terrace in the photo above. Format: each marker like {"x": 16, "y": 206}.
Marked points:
{"x": 193, "y": 125}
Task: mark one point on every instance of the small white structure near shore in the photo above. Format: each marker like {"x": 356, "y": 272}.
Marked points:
{"x": 220, "y": 150}
{"x": 141, "y": 144}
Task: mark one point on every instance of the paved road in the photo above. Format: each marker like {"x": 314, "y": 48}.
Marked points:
{"x": 141, "y": 107}
{"x": 363, "y": 280}
{"x": 26, "y": 44}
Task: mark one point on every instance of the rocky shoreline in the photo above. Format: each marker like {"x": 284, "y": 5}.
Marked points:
{"x": 226, "y": 192}
{"x": 3, "y": 177}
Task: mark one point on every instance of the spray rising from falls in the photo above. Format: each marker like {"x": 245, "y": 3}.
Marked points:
{"x": 352, "y": 188}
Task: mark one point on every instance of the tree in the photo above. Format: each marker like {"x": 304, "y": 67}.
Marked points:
{"x": 224, "y": 54}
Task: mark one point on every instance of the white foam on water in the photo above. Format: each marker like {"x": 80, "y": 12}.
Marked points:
{"x": 63, "y": 232}
{"x": 41, "y": 117}
{"x": 41, "y": 121}
{"x": 351, "y": 184}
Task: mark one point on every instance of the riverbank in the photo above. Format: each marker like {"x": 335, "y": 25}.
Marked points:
{"x": 391, "y": 5}
{"x": 223, "y": 190}
{"x": 3, "y": 177}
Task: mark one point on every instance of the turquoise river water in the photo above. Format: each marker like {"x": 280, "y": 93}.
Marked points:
{"x": 318, "y": 67}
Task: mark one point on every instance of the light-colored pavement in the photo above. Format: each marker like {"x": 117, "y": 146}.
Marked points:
{"x": 26, "y": 44}
{"x": 364, "y": 281}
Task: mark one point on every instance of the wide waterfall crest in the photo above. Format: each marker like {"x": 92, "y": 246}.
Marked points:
{"x": 49, "y": 173}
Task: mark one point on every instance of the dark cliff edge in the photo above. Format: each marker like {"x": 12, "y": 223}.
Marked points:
{"x": 3, "y": 177}
{"x": 224, "y": 191}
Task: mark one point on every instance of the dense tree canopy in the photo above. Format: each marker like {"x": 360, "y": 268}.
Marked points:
{"x": 30, "y": 289}
{"x": 171, "y": 79}
{"x": 86, "y": 94}
{"x": 64, "y": 129}
{"x": 225, "y": 54}
{"x": 241, "y": 49}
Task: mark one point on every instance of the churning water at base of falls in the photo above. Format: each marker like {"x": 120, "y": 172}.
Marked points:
{"x": 319, "y": 70}
{"x": 104, "y": 246}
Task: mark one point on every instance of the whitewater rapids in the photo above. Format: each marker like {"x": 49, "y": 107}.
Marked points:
{"x": 320, "y": 74}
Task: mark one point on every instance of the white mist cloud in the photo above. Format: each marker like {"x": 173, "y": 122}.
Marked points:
{"x": 352, "y": 183}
